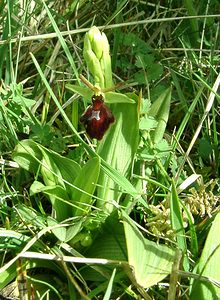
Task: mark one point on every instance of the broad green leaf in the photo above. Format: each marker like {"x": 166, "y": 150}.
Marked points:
{"x": 117, "y": 149}
{"x": 113, "y": 97}
{"x": 29, "y": 214}
{"x": 73, "y": 230}
{"x": 150, "y": 262}
{"x": 147, "y": 123}
{"x": 36, "y": 187}
{"x": 68, "y": 168}
{"x": 23, "y": 100}
{"x": 59, "y": 232}
{"x": 86, "y": 184}
{"x": 58, "y": 197}
{"x": 160, "y": 111}
{"x": 205, "y": 147}
{"x": 110, "y": 97}
{"x": 50, "y": 171}
{"x": 122, "y": 182}
{"x": 208, "y": 266}
{"x": 55, "y": 187}
{"x": 85, "y": 92}
{"x": 27, "y": 155}
{"x": 109, "y": 244}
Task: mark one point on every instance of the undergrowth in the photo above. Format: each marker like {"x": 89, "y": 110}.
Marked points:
{"x": 135, "y": 215}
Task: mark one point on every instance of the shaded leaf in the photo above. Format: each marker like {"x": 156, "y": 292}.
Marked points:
{"x": 205, "y": 147}
{"x": 109, "y": 244}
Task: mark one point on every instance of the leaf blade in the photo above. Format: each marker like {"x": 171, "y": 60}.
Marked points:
{"x": 150, "y": 262}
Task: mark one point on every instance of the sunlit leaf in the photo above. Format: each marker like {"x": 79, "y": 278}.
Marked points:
{"x": 113, "y": 97}
{"x": 85, "y": 92}
{"x": 147, "y": 123}
{"x": 208, "y": 266}
{"x": 160, "y": 111}
{"x": 27, "y": 155}
{"x": 177, "y": 224}
{"x": 59, "y": 232}
{"x": 73, "y": 230}
{"x": 117, "y": 149}
{"x": 86, "y": 184}
{"x": 150, "y": 262}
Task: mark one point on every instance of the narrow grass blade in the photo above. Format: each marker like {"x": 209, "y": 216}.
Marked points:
{"x": 177, "y": 224}
{"x": 194, "y": 30}
{"x": 110, "y": 286}
{"x": 62, "y": 41}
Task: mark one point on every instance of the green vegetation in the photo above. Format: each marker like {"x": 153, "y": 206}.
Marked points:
{"x": 136, "y": 214}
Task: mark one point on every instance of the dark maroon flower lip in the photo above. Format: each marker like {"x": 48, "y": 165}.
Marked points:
{"x": 97, "y": 118}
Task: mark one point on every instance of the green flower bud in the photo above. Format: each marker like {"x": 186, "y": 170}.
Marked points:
{"x": 106, "y": 62}
{"x": 96, "y": 54}
{"x": 94, "y": 67}
{"x": 95, "y": 38}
